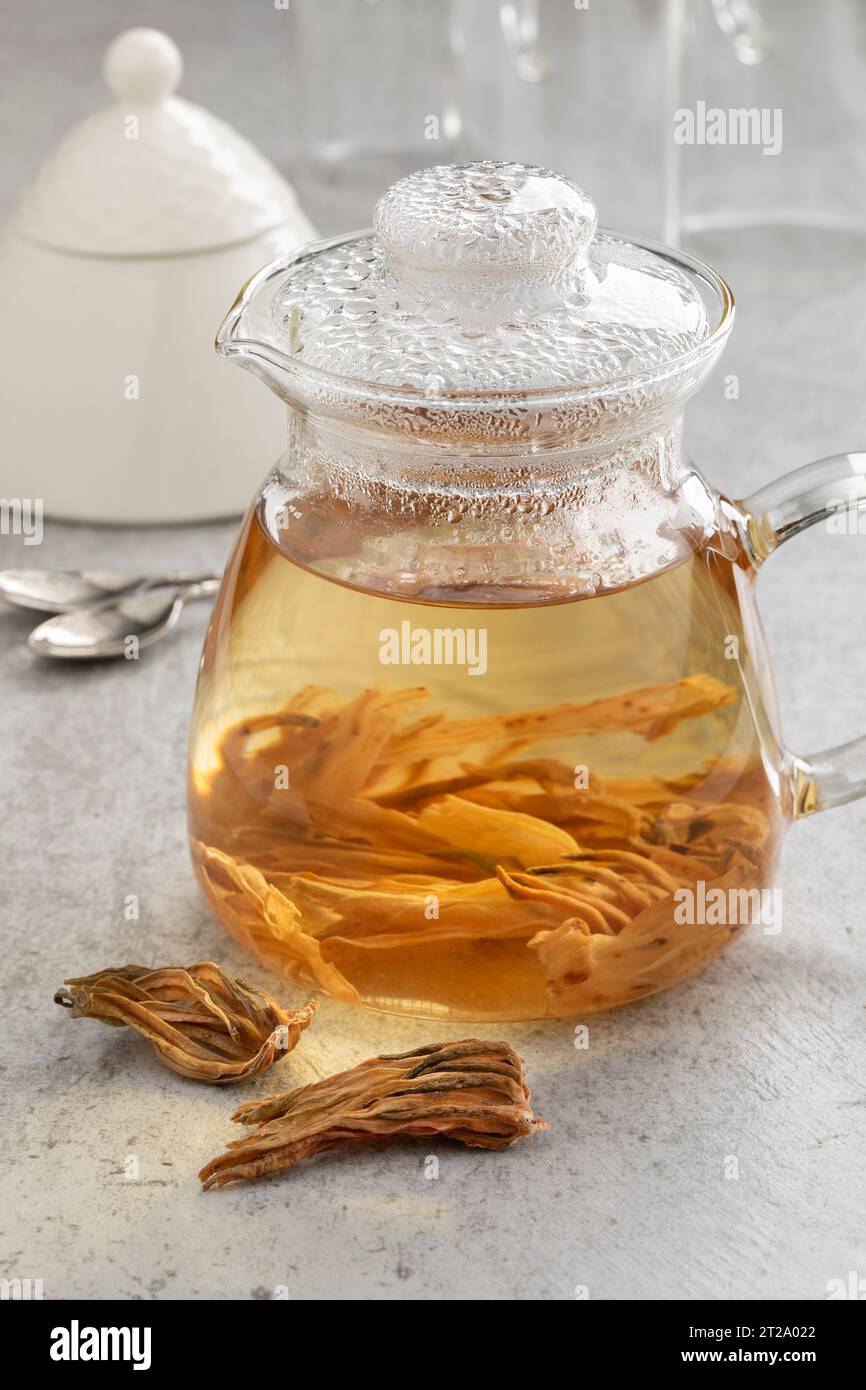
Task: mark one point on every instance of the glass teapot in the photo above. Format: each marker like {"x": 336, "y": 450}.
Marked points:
{"x": 485, "y": 726}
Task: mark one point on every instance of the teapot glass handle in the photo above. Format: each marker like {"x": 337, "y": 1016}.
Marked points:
{"x": 767, "y": 519}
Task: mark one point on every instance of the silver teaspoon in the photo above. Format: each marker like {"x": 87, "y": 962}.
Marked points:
{"x": 105, "y": 631}
{"x": 64, "y": 591}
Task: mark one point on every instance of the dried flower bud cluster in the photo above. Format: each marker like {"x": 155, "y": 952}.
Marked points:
{"x": 471, "y": 1091}
{"x": 200, "y": 1021}
{"x": 559, "y": 893}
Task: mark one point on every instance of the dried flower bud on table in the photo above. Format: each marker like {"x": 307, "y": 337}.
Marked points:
{"x": 471, "y": 1091}
{"x": 201, "y": 1021}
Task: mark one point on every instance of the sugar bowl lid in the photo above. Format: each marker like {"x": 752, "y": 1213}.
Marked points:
{"x": 151, "y": 174}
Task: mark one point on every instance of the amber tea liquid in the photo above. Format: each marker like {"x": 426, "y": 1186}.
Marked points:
{"x": 464, "y": 802}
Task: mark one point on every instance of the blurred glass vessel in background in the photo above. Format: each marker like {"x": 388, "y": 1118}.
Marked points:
{"x": 372, "y": 96}
{"x": 768, "y": 113}
{"x": 579, "y": 88}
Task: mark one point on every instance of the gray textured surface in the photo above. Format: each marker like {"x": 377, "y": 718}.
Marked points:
{"x": 761, "y": 1057}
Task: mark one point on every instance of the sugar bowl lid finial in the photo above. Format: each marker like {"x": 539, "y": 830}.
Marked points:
{"x": 142, "y": 65}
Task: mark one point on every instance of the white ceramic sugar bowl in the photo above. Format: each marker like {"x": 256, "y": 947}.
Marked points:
{"x": 116, "y": 263}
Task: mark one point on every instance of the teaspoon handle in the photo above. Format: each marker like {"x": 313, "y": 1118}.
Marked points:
{"x": 201, "y": 588}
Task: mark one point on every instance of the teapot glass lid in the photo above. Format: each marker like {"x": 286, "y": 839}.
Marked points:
{"x": 486, "y": 279}
{"x": 487, "y": 276}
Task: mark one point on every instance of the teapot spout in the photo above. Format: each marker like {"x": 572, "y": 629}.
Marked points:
{"x": 268, "y": 363}
{"x": 245, "y": 335}
{"x": 249, "y": 335}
